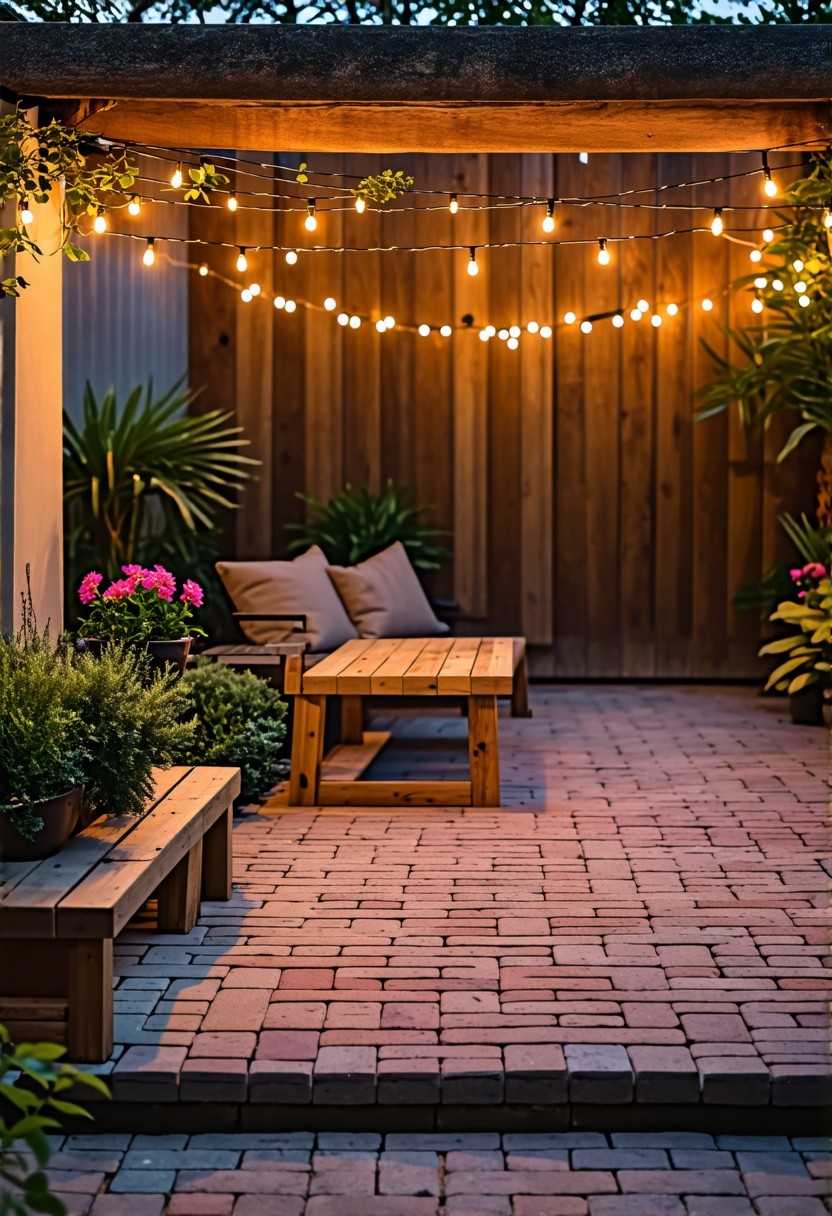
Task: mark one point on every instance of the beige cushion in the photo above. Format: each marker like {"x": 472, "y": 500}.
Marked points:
{"x": 385, "y": 598}
{"x": 297, "y": 587}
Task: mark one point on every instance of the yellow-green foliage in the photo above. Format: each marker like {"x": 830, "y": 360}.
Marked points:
{"x": 808, "y": 651}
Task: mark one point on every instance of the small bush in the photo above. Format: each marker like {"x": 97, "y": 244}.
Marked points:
{"x": 239, "y": 722}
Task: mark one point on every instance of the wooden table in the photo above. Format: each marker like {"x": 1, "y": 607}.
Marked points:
{"x": 479, "y": 669}
{"x": 265, "y": 659}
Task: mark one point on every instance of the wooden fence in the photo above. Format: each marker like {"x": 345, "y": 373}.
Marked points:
{"x": 588, "y": 511}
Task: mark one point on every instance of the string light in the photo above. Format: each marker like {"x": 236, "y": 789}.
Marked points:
{"x": 254, "y": 288}
{"x": 586, "y": 327}
{"x": 203, "y": 270}
{"x": 797, "y": 265}
{"x": 636, "y": 314}
{"x": 27, "y": 216}
{"x": 343, "y": 319}
{"x": 381, "y": 327}
{"x": 777, "y": 284}
{"x": 769, "y": 184}
{"x": 804, "y": 301}
{"x": 473, "y": 268}
{"x": 291, "y": 257}
{"x": 490, "y": 330}
{"x": 290, "y": 306}
{"x": 424, "y": 331}
{"x": 245, "y": 295}
{"x": 512, "y": 344}
{"x": 134, "y": 207}
{"x": 231, "y": 202}
{"x": 280, "y": 301}
{"x": 514, "y": 331}
{"x": 329, "y": 304}
{"x": 603, "y": 252}
{"x": 545, "y": 331}
{"x": 583, "y": 157}
{"x": 768, "y": 235}
{"x": 707, "y": 304}
{"x": 389, "y": 322}
{"x": 445, "y": 331}
{"x": 242, "y": 260}
{"x": 355, "y": 322}
{"x": 569, "y": 318}
{"x": 453, "y": 204}
{"x": 827, "y": 217}
{"x": 672, "y": 310}
{"x": 360, "y": 204}
{"x": 484, "y": 335}
{"x": 760, "y": 282}
{"x": 149, "y": 255}
{"x": 618, "y": 320}
{"x": 532, "y": 327}
{"x": 176, "y": 176}
{"x": 755, "y": 255}
{"x": 717, "y": 226}
{"x": 656, "y": 320}
{"x": 311, "y": 221}
{"x": 756, "y": 305}
{"x": 642, "y": 306}
{"x": 548, "y": 221}
{"x": 99, "y": 224}
{"x": 800, "y": 287}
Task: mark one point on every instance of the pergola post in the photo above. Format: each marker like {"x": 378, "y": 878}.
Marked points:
{"x": 31, "y": 400}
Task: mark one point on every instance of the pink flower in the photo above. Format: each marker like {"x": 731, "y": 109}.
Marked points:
{"x": 89, "y": 586}
{"x": 134, "y": 572}
{"x": 801, "y": 595}
{"x": 814, "y": 570}
{"x": 160, "y": 580}
{"x": 120, "y": 589}
{"x": 796, "y": 574}
{"x": 192, "y": 593}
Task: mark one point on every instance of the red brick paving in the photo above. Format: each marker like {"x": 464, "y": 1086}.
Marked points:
{"x": 644, "y": 921}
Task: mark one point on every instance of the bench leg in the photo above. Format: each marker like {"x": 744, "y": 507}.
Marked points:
{"x": 483, "y": 751}
{"x": 217, "y": 856}
{"x": 520, "y": 690}
{"x": 352, "y": 719}
{"x": 178, "y": 896}
{"x": 307, "y": 750}
{"x": 90, "y": 999}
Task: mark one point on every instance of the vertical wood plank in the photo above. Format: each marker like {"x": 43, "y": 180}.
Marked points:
{"x": 178, "y": 896}
{"x": 362, "y": 349}
{"x": 217, "y": 858}
{"x": 90, "y": 999}
{"x": 484, "y": 751}
{"x": 398, "y": 351}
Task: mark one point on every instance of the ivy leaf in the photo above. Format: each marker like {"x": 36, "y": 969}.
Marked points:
{"x": 76, "y": 254}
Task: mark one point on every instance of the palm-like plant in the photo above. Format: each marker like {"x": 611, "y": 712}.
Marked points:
{"x": 354, "y": 524}
{"x": 145, "y": 480}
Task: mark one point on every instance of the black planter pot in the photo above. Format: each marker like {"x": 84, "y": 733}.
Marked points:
{"x": 807, "y": 706}
{"x": 173, "y": 653}
{"x": 59, "y": 818}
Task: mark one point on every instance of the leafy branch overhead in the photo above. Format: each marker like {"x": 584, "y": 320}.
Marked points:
{"x": 383, "y": 187}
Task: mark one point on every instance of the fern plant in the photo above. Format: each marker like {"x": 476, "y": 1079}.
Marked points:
{"x": 355, "y": 524}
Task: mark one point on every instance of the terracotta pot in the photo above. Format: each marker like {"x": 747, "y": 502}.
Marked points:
{"x": 59, "y": 818}
{"x": 807, "y": 706}
{"x": 169, "y": 653}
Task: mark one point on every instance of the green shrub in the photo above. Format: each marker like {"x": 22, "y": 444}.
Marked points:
{"x": 239, "y": 722}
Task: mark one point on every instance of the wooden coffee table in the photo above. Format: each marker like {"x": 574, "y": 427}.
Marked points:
{"x": 480, "y": 669}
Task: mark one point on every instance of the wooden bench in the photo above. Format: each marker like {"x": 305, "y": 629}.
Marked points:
{"x": 477, "y": 669}
{"x": 58, "y": 917}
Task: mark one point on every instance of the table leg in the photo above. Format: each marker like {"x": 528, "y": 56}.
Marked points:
{"x": 90, "y": 999}
{"x": 352, "y": 719}
{"x": 179, "y": 894}
{"x": 307, "y": 750}
{"x": 217, "y": 856}
{"x": 483, "y": 750}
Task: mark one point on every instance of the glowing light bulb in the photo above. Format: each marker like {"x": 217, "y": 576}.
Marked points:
{"x": 381, "y": 327}
{"x": 797, "y": 265}
{"x": 254, "y": 288}
{"x": 569, "y": 318}
{"x": 603, "y": 252}
{"x": 311, "y": 221}
{"x": 642, "y": 305}
{"x": 203, "y": 270}
{"x": 360, "y": 204}
{"x": 707, "y": 304}
{"x": 804, "y": 301}
{"x": 231, "y": 202}
{"x": 291, "y": 257}
{"x": 453, "y": 204}
{"x": 827, "y": 217}
{"x": 618, "y": 320}
{"x": 717, "y": 226}
{"x": 176, "y": 177}
{"x": 756, "y": 305}
{"x": 545, "y": 331}
{"x": 343, "y": 318}
{"x": 760, "y": 282}
{"x": 800, "y": 287}
{"x": 635, "y": 314}
{"x": 424, "y": 331}
{"x": 484, "y": 335}
{"x": 503, "y": 335}
{"x": 245, "y": 295}
{"x": 134, "y": 206}
{"x": 329, "y": 304}
{"x": 242, "y": 260}
{"x": 512, "y": 344}
{"x": 291, "y": 306}
{"x": 280, "y": 301}
{"x": 656, "y": 320}
{"x": 389, "y": 322}
{"x": 514, "y": 331}
{"x": 355, "y": 321}
{"x": 586, "y": 327}
{"x": 532, "y": 327}
{"x": 583, "y": 157}
{"x": 445, "y": 331}
{"x": 473, "y": 268}
{"x": 755, "y": 255}
{"x": 491, "y": 331}
{"x": 548, "y": 221}
{"x": 99, "y": 224}
{"x": 769, "y": 184}
{"x": 149, "y": 255}
{"x": 777, "y": 284}
{"x": 27, "y": 216}
{"x": 768, "y": 235}
{"x": 672, "y": 310}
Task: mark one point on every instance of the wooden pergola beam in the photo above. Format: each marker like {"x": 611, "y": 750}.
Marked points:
{"x": 394, "y": 88}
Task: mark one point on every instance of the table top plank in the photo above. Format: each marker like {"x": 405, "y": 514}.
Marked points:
{"x": 493, "y": 670}
{"x": 455, "y": 674}
{"x": 389, "y": 676}
{"x": 357, "y": 678}
{"x": 422, "y": 677}
{"x": 322, "y": 680}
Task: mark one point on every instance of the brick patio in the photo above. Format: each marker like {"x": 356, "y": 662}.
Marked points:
{"x": 637, "y": 938}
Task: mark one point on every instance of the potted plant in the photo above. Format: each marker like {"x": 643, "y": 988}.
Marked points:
{"x": 142, "y": 609}
{"x": 806, "y": 654}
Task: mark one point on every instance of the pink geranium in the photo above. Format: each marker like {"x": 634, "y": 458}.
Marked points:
{"x": 192, "y": 593}
{"x": 160, "y": 580}
{"x": 89, "y": 586}
{"x": 120, "y": 589}
{"x": 814, "y": 570}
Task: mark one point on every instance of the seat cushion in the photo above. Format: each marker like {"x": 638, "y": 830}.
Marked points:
{"x": 297, "y": 587}
{"x": 384, "y": 597}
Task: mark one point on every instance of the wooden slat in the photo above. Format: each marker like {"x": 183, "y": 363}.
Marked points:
{"x": 362, "y": 347}
{"x": 395, "y": 793}
{"x": 323, "y": 678}
{"x": 29, "y": 911}
{"x": 493, "y": 669}
{"x": 422, "y": 677}
{"x": 357, "y": 677}
{"x": 389, "y": 677}
{"x": 347, "y": 761}
{"x": 399, "y": 350}
{"x": 455, "y": 674}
